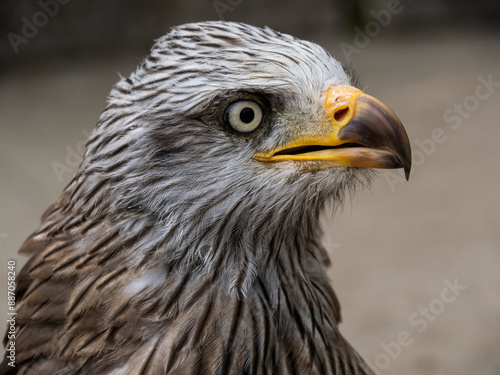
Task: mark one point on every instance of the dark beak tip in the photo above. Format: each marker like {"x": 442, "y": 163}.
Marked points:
{"x": 407, "y": 172}
{"x": 406, "y": 162}
{"x": 376, "y": 125}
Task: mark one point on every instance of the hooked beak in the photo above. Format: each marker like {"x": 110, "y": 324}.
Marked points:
{"x": 361, "y": 131}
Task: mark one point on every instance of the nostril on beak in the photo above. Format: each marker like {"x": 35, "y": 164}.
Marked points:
{"x": 341, "y": 114}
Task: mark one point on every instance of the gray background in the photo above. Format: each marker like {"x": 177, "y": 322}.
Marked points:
{"x": 393, "y": 246}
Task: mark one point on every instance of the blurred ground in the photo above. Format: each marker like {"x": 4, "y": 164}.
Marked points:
{"x": 393, "y": 247}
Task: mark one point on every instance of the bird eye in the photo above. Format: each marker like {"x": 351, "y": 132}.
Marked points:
{"x": 243, "y": 116}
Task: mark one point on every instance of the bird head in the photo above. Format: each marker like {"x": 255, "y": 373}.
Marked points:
{"x": 229, "y": 125}
{"x": 189, "y": 240}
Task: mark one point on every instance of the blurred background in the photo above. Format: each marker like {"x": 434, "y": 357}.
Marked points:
{"x": 416, "y": 264}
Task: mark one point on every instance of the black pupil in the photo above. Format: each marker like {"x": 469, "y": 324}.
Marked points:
{"x": 247, "y": 115}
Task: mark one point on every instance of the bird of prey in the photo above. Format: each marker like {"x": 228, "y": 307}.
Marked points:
{"x": 189, "y": 240}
